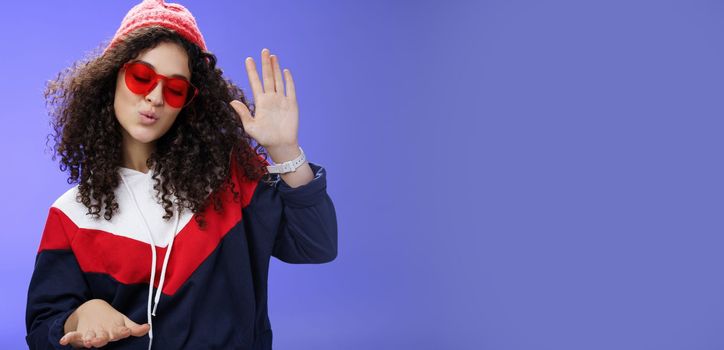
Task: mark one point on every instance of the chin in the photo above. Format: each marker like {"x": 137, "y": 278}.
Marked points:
{"x": 144, "y": 135}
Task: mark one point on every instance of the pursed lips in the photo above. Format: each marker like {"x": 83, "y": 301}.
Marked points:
{"x": 150, "y": 115}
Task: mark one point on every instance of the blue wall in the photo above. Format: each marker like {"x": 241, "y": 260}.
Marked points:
{"x": 507, "y": 174}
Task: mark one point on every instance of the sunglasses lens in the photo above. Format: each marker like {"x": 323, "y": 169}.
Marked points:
{"x": 139, "y": 78}
{"x": 175, "y": 92}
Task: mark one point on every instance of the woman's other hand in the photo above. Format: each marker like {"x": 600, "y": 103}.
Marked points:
{"x": 95, "y": 323}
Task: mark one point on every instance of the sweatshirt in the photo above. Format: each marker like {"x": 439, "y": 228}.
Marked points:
{"x": 212, "y": 282}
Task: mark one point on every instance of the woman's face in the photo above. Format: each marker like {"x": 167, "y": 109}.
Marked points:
{"x": 167, "y": 59}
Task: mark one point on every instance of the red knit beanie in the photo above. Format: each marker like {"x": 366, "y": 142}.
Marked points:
{"x": 156, "y": 12}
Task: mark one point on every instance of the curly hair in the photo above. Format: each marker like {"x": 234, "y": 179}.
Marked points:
{"x": 194, "y": 157}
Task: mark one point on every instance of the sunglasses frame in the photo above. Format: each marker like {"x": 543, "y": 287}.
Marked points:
{"x": 155, "y": 80}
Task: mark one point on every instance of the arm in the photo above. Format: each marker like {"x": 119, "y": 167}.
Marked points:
{"x": 308, "y": 229}
{"x": 294, "y": 224}
{"x": 57, "y": 286}
{"x": 304, "y": 216}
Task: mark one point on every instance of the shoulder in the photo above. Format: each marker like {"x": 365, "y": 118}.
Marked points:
{"x": 71, "y": 208}
{"x": 60, "y": 224}
{"x": 67, "y": 202}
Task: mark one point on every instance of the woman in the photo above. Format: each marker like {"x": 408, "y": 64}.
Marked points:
{"x": 154, "y": 137}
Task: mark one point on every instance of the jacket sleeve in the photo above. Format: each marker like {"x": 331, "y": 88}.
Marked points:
{"x": 299, "y": 223}
{"x": 57, "y": 286}
{"x": 308, "y": 229}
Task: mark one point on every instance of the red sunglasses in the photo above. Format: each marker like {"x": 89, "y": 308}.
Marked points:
{"x": 141, "y": 79}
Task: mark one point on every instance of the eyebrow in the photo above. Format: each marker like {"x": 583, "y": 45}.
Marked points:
{"x": 154, "y": 68}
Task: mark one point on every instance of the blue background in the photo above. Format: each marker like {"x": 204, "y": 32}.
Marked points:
{"x": 507, "y": 174}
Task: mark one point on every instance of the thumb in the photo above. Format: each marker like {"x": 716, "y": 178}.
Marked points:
{"x": 136, "y": 329}
{"x": 243, "y": 112}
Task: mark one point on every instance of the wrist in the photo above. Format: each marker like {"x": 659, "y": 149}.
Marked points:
{"x": 283, "y": 153}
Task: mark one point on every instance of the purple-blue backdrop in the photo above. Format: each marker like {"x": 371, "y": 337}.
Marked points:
{"x": 507, "y": 174}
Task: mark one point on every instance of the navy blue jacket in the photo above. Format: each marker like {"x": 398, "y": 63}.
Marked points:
{"x": 215, "y": 290}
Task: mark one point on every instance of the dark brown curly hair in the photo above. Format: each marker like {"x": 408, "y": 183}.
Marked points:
{"x": 193, "y": 157}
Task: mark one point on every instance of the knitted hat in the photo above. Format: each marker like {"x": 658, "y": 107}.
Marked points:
{"x": 156, "y": 12}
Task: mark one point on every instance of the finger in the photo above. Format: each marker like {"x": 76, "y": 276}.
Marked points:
{"x": 101, "y": 338}
{"x": 120, "y": 332}
{"x": 278, "y": 81}
{"x": 291, "y": 91}
{"x": 253, "y": 75}
{"x": 74, "y": 338}
{"x": 87, "y": 337}
{"x": 140, "y": 330}
{"x": 129, "y": 322}
{"x": 266, "y": 71}
{"x": 136, "y": 329}
{"x": 243, "y": 112}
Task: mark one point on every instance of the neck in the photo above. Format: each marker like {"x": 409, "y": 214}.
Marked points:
{"x": 135, "y": 153}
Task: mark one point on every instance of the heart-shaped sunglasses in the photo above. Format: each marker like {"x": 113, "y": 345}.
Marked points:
{"x": 141, "y": 79}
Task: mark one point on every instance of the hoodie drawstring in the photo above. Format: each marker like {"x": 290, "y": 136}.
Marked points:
{"x": 149, "y": 312}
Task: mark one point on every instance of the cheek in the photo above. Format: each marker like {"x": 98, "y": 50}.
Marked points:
{"x": 124, "y": 100}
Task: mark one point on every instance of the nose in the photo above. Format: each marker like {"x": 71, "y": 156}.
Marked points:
{"x": 155, "y": 96}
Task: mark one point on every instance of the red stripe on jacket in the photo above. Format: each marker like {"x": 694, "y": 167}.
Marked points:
{"x": 129, "y": 261}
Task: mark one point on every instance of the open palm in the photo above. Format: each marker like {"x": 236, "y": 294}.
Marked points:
{"x": 275, "y": 122}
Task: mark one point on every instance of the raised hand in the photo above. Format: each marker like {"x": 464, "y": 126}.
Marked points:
{"x": 275, "y": 122}
{"x": 95, "y": 323}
